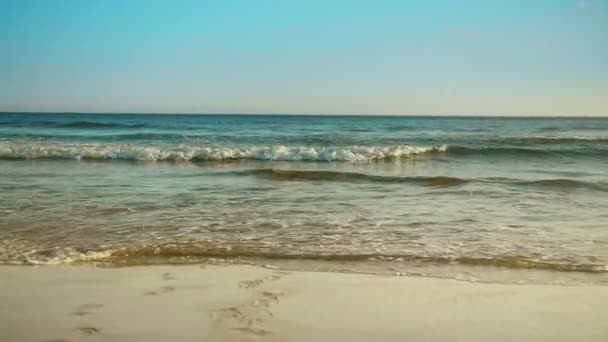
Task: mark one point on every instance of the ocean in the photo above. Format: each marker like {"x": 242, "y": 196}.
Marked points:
{"x": 472, "y": 198}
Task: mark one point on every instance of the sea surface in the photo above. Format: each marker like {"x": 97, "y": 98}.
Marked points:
{"x": 473, "y": 198}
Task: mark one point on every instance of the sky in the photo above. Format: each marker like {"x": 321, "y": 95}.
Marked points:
{"x": 533, "y": 57}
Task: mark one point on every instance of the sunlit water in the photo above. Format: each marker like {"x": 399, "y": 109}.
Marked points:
{"x": 471, "y": 198}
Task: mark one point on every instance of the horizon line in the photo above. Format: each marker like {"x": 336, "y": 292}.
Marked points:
{"x": 313, "y": 114}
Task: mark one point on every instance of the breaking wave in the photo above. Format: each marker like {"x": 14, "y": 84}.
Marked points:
{"x": 36, "y": 149}
{"x": 46, "y": 150}
{"x": 195, "y": 253}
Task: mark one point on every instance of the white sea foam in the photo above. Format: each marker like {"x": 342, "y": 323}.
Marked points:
{"x": 14, "y": 252}
{"x": 57, "y": 150}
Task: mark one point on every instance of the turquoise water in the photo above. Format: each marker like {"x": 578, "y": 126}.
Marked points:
{"x": 445, "y": 196}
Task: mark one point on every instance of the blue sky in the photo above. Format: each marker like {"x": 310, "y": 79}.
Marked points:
{"x": 545, "y": 57}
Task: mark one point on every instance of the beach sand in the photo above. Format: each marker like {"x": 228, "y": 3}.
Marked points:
{"x": 246, "y": 303}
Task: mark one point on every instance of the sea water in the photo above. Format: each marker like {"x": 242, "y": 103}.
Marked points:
{"x": 463, "y": 197}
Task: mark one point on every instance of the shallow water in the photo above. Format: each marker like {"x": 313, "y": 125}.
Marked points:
{"x": 424, "y": 195}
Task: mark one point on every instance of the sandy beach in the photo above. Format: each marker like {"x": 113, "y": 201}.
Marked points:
{"x": 245, "y": 303}
{"x": 303, "y": 171}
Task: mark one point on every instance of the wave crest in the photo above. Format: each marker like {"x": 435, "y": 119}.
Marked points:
{"x": 46, "y": 150}
{"x": 187, "y": 253}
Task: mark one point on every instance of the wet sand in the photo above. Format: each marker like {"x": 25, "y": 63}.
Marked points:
{"x": 244, "y": 303}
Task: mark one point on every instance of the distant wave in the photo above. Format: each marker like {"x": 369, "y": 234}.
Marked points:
{"x": 38, "y": 123}
{"x": 92, "y": 124}
{"x": 540, "y": 140}
{"x": 336, "y": 176}
{"x": 72, "y": 124}
{"x": 574, "y": 127}
{"x": 54, "y": 137}
{"x": 48, "y": 150}
{"x": 524, "y": 151}
{"x": 551, "y": 129}
{"x": 148, "y": 136}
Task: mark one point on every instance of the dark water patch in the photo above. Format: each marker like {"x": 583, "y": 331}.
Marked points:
{"x": 72, "y": 124}
{"x": 465, "y": 151}
{"x": 599, "y": 127}
{"x": 563, "y": 173}
{"x": 10, "y": 187}
{"x": 555, "y": 140}
{"x": 351, "y": 177}
{"x": 418, "y": 224}
{"x": 109, "y": 186}
{"x": 563, "y": 184}
{"x": 399, "y": 128}
{"x": 40, "y": 123}
{"x": 551, "y": 129}
{"x": 500, "y": 179}
{"x": 359, "y": 129}
{"x": 465, "y": 220}
{"x": 148, "y": 136}
{"x": 528, "y": 152}
{"x": 432, "y": 181}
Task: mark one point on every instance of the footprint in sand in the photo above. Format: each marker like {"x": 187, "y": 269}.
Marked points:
{"x": 162, "y": 290}
{"x": 89, "y": 331}
{"x": 272, "y": 295}
{"x": 168, "y": 276}
{"x": 250, "y": 316}
{"x": 254, "y": 331}
{"x": 231, "y": 312}
{"x": 273, "y": 277}
{"x": 247, "y": 284}
{"x": 87, "y": 309}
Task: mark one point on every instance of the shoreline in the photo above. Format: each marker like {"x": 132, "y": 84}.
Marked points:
{"x": 251, "y": 303}
{"x": 482, "y": 273}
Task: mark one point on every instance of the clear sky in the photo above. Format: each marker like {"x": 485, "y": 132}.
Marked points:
{"x": 533, "y": 57}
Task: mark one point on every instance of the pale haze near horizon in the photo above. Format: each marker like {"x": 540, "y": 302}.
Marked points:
{"x": 334, "y": 57}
